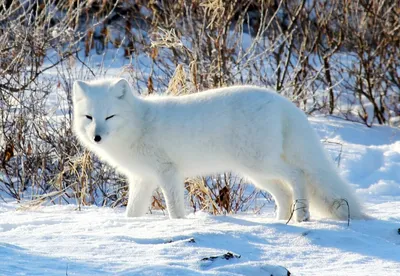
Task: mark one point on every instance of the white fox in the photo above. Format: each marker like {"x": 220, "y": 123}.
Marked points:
{"x": 158, "y": 141}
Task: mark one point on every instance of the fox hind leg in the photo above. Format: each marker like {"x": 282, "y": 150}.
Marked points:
{"x": 290, "y": 193}
{"x": 279, "y": 191}
{"x": 283, "y": 200}
{"x": 297, "y": 181}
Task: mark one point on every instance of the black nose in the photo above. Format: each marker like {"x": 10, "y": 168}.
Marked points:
{"x": 97, "y": 138}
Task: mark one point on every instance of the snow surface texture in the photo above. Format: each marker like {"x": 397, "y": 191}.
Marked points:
{"x": 59, "y": 240}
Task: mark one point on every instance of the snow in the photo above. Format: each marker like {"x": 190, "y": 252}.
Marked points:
{"x": 60, "y": 240}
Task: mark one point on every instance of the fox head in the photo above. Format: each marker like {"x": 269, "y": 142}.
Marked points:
{"x": 100, "y": 108}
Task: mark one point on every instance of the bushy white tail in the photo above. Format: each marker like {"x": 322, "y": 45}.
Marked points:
{"x": 330, "y": 196}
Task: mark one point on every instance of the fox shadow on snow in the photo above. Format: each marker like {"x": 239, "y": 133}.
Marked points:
{"x": 374, "y": 238}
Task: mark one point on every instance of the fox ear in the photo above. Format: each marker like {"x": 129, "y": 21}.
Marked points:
{"x": 79, "y": 90}
{"x": 120, "y": 88}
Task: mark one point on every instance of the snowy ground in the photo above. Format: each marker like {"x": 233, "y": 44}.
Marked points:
{"x": 59, "y": 240}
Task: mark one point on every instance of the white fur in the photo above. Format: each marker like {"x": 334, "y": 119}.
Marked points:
{"x": 158, "y": 141}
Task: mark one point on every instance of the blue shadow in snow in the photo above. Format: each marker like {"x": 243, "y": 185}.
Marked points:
{"x": 16, "y": 260}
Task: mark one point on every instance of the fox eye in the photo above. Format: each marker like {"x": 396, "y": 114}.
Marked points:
{"x": 89, "y": 117}
{"x": 109, "y": 117}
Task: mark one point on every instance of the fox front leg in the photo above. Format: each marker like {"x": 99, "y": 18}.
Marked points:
{"x": 140, "y": 192}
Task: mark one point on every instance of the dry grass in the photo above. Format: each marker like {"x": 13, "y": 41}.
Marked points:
{"x": 295, "y": 47}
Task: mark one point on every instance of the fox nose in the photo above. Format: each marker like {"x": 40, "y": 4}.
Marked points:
{"x": 97, "y": 138}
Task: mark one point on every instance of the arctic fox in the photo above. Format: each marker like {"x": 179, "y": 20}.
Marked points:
{"x": 158, "y": 141}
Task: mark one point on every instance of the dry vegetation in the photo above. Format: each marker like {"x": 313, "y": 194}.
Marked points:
{"x": 330, "y": 57}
